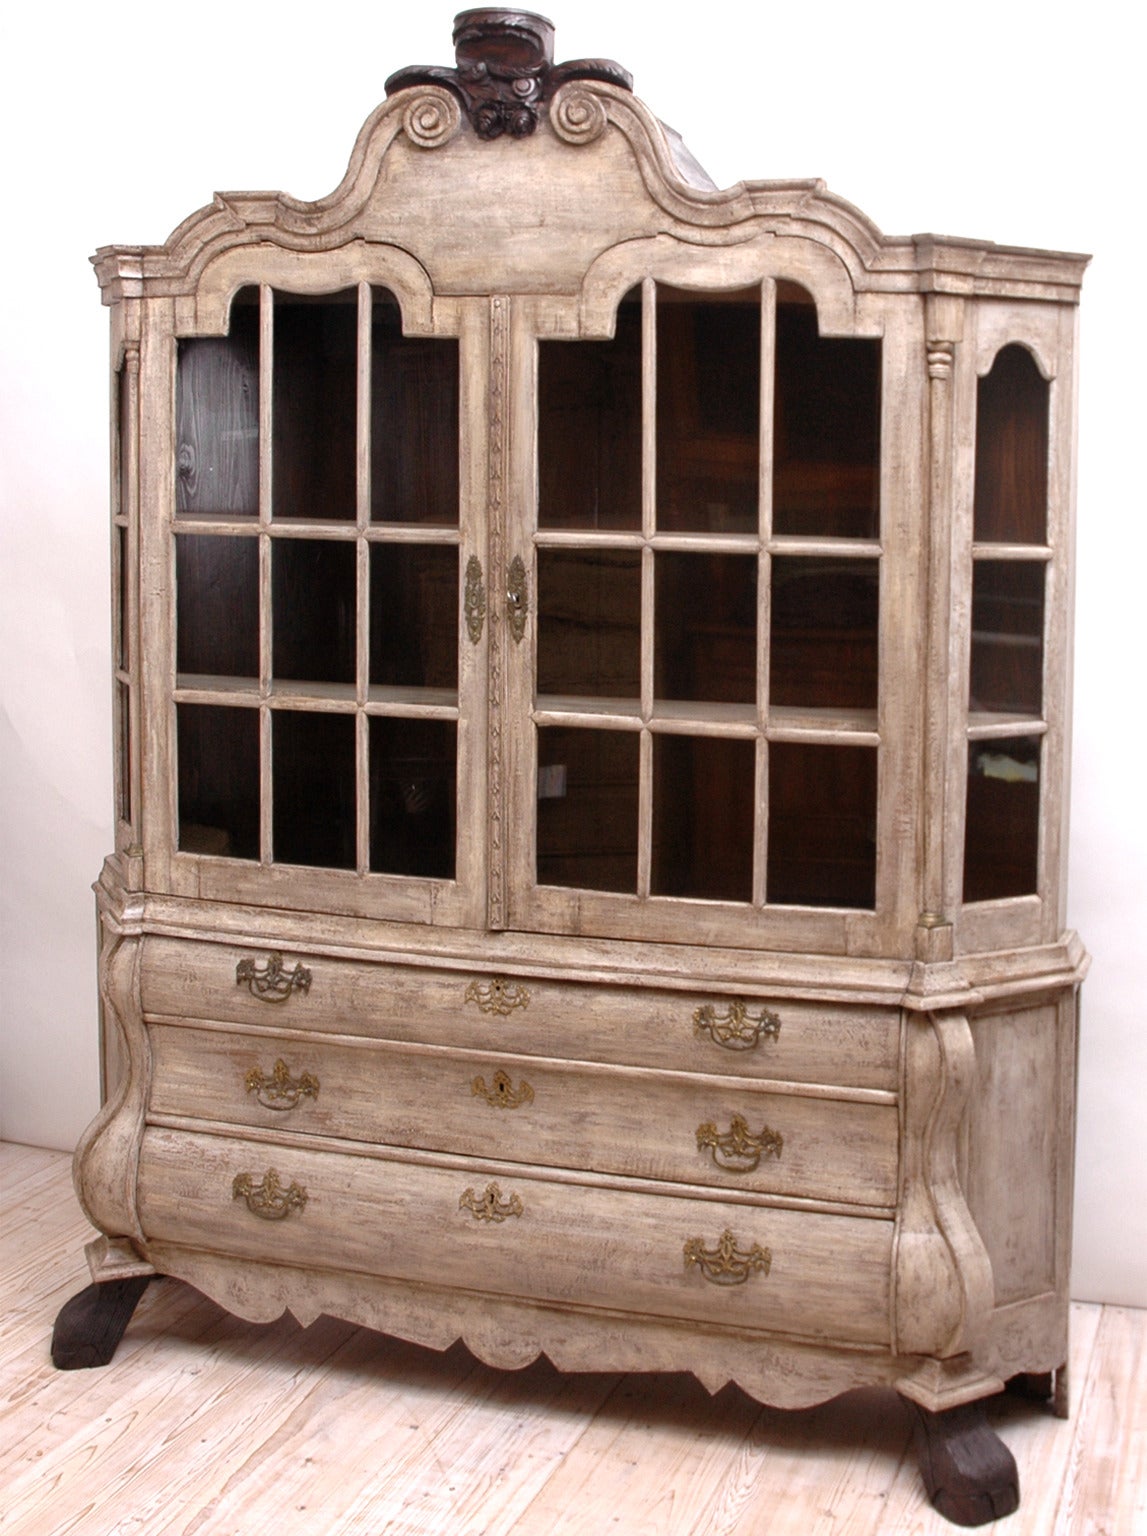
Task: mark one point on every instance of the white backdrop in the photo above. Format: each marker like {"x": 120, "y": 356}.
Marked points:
{"x": 992, "y": 119}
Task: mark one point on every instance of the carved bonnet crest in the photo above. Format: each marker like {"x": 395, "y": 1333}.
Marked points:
{"x": 505, "y": 71}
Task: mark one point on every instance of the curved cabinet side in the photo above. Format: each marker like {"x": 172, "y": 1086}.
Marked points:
{"x": 943, "y": 1285}
{"x": 107, "y": 1156}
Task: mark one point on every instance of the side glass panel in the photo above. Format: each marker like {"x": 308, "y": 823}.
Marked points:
{"x": 589, "y": 428}
{"x": 826, "y": 427}
{"x": 315, "y": 374}
{"x": 1011, "y": 451}
{"x": 217, "y": 418}
{"x": 1001, "y": 847}
{"x": 1007, "y": 637}
{"x": 708, "y": 411}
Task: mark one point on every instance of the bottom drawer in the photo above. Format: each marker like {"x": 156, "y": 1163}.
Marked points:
{"x": 525, "y": 1234}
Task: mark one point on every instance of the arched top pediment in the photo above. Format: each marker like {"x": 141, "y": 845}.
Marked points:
{"x": 509, "y": 174}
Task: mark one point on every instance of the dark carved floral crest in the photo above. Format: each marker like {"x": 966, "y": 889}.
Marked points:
{"x": 505, "y": 71}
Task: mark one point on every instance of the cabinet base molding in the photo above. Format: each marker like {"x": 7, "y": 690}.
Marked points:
{"x": 116, "y": 1258}
{"x": 940, "y": 1385}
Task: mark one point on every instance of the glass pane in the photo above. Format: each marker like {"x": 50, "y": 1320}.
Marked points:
{"x": 1001, "y": 836}
{"x": 705, "y": 627}
{"x": 315, "y": 375}
{"x": 822, "y": 825}
{"x": 313, "y": 603}
{"x": 122, "y": 440}
{"x": 1007, "y": 637}
{"x": 823, "y": 645}
{"x": 123, "y": 754}
{"x": 313, "y": 759}
{"x": 1011, "y": 451}
{"x": 826, "y": 430}
{"x": 123, "y": 640}
{"x": 587, "y": 808}
{"x": 217, "y": 605}
{"x": 218, "y": 780}
{"x": 708, "y": 411}
{"x": 589, "y": 622}
{"x": 217, "y": 418}
{"x": 589, "y": 428}
{"x": 413, "y": 422}
{"x": 703, "y": 796}
{"x": 413, "y": 773}
{"x": 414, "y": 615}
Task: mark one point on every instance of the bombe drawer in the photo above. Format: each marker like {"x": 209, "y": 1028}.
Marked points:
{"x": 569, "y": 1243}
{"x": 638, "y": 1122}
{"x": 749, "y": 1035}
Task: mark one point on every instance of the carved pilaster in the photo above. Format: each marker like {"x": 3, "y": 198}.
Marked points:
{"x": 943, "y": 1277}
{"x": 499, "y": 471}
{"x": 943, "y": 329}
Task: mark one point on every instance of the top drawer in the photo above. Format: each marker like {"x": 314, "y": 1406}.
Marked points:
{"x": 749, "y": 1035}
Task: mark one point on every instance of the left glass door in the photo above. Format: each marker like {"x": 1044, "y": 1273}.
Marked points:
{"x": 320, "y": 540}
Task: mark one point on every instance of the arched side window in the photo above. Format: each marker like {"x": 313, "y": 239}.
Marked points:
{"x": 1006, "y": 723}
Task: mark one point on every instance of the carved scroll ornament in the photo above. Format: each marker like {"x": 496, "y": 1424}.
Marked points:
{"x": 504, "y": 72}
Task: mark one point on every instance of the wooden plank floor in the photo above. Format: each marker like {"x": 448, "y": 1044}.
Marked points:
{"x": 207, "y": 1426}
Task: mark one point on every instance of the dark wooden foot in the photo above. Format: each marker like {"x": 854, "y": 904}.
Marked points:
{"x": 1037, "y": 1387}
{"x": 91, "y": 1325}
{"x": 968, "y": 1471}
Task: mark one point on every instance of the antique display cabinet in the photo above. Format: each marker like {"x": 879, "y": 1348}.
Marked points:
{"x": 591, "y": 689}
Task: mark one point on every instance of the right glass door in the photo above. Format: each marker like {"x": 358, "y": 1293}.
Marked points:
{"x": 697, "y": 682}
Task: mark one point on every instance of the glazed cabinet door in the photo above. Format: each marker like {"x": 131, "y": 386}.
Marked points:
{"x": 326, "y": 709}
{"x": 694, "y": 578}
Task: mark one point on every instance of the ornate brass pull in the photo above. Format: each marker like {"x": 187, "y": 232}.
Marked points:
{"x": 727, "y": 1264}
{"x": 279, "y": 1090}
{"x": 734, "y": 1029}
{"x": 271, "y": 982}
{"x": 517, "y": 599}
{"x": 474, "y": 599}
{"x": 738, "y": 1150}
{"x": 497, "y": 995}
{"x": 490, "y": 1206}
{"x": 268, "y": 1198}
{"x": 503, "y": 1095}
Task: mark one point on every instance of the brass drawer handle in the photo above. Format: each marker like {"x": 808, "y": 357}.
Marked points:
{"x": 734, "y": 1029}
{"x": 271, "y": 982}
{"x": 503, "y": 1095}
{"x": 474, "y": 599}
{"x": 737, "y": 1150}
{"x": 268, "y": 1198}
{"x": 490, "y": 1206}
{"x": 727, "y": 1264}
{"x": 497, "y": 995}
{"x": 278, "y": 1089}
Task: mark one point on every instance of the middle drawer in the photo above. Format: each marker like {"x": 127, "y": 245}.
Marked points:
{"x": 723, "y": 1132}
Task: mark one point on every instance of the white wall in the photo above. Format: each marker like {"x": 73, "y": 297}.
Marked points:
{"x": 995, "y": 120}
